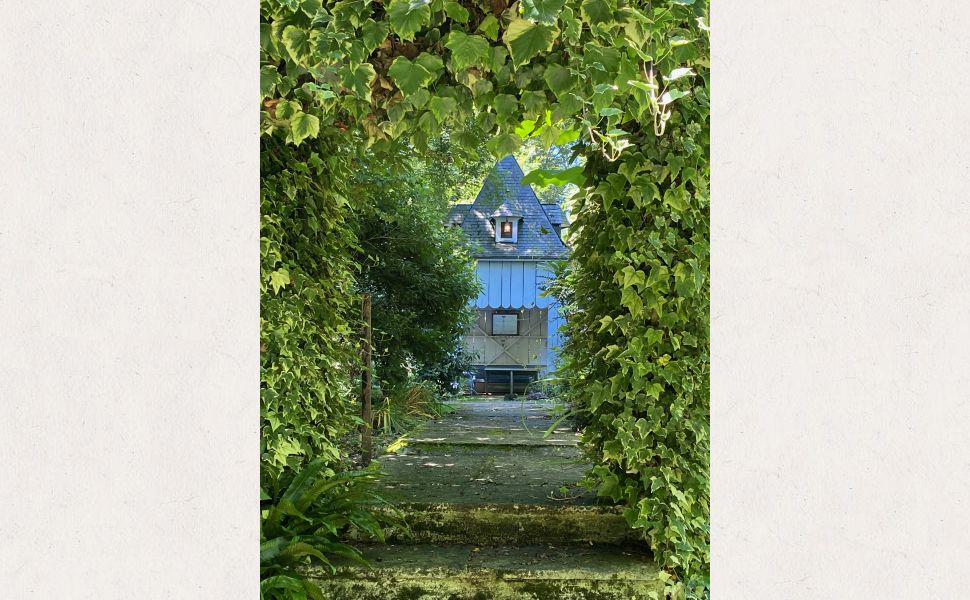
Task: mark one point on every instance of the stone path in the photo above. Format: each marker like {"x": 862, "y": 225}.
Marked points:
{"x": 495, "y": 513}
{"x": 490, "y": 451}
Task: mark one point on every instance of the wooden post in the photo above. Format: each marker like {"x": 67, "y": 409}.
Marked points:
{"x": 366, "y": 375}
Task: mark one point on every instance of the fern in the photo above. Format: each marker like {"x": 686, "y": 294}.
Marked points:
{"x": 308, "y": 521}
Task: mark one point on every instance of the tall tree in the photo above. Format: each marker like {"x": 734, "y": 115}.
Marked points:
{"x": 416, "y": 270}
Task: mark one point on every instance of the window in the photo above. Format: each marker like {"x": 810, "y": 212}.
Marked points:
{"x": 506, "y": 230}
{"x": 505, "y": 324}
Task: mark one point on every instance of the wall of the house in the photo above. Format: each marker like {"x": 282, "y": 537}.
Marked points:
{"x": 512, "y": 284}
{"x": 516, "y": 285}
{"x": 528, "y": 349}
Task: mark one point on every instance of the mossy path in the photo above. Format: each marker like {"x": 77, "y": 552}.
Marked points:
{"x": 495, "y": 513}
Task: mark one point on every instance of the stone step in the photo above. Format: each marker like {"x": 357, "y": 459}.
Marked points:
{"x": 488, "y": 436}
{"x": 465, "y": 572}
{"x": 512, "y": 525}
{"x": 485, "y": 474}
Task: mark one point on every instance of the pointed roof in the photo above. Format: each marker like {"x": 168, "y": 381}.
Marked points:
{"x": 554, "y": 212}
{"x": 503, "y": 195}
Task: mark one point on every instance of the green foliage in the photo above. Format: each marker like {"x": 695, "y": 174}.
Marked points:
{"x": 637, "y": 350}
{"x": 306, "y": 521}
{"x": 627, "y": 82}
{"x": 417, "y": 272}
{"x": 450, "y": 373}
{"x": 554, "y": 171}
{"x": 525, "y": 39}
{"x": 402, "y": 407}
{"x": 306, "y": 278}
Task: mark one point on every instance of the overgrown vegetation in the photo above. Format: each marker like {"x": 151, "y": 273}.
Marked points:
{"x": 627, "y": 83}
{"x": 402, "y": 406}
{"x": 417, "y": 272}
{"x": 308, "y": 519}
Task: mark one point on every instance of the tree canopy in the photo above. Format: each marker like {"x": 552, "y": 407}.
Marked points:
{"x": 417, "y": 272}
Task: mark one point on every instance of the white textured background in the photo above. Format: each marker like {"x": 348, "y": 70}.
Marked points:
{"x": 129, "y": 300}
{"x": 841, "y": 300}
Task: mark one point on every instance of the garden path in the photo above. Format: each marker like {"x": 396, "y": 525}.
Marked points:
{"x": 495, "y": 512}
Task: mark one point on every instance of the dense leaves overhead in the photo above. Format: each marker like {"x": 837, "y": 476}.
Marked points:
{"x": 627, "y": 82}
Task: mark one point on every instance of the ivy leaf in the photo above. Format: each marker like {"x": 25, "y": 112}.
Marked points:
{"x": 286, "y": 109}
{"x": 427, "y": 124}
{"x": 542, "y": 11}
{"x": 359, "y": 80}
{"x": 676, "y": 199}
{"x": 269, "y": 76}
{"x": 631, "y": 299}
{"x": 373, "y": 34}
{"x": 559, "y": 79}
{"x": 525, "y": 39}
{"x": 407, "y": 17}
{"x": 310, "y": 7}
{"x": 570, "y": 135}
{"x": 304, "y": 126}
{"x": 432, "y": 63}
{"x": 670, "y": 96}
{"x": 408, "y": 76}
{"x": 279, "y": 279}
{"x": 456, "y": 12}
{"x": 678, "y": 73}
{"x": 549, "y": 135}
{"x": 544, "y": 177}
{"x": 570, "y": 103}
{"x": 489, "y": 27}
{"x": 496, "y": 59}
{"x": 526, "y": 129}
{"x": 297, "y": 42}
{"x": 351, "y": 13}
{"x": 442, "y": 107}
{"x": 466, "y": 50}
{"x": 505, "y": 144}
{"x": 420, "y": 98}
{"x": 596, "y": 11}
{"x": 505, "y": 105}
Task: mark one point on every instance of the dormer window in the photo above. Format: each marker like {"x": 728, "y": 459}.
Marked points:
{"x": 507, "y": 229}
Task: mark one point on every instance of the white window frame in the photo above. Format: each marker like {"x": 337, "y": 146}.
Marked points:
{"x": 515, "y": 230}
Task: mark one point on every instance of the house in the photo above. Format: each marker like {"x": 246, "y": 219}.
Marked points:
{"x": 513, "y": 237}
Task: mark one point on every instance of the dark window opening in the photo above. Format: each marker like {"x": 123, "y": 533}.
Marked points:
{"x": 504, "y": 381}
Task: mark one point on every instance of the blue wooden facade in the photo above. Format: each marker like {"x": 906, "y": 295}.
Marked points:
{"x": 514, "y": 237}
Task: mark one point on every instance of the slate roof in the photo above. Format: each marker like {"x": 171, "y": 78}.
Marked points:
{"x": 555, "y": 214}
{"x": 502, "y": 194}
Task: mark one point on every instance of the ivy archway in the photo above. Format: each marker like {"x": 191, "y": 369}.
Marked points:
{"x": 629, "y": 82}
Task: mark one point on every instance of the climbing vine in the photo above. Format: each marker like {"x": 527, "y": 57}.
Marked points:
{"x": 306, "y": 283}
{"x": 627, "y": 83}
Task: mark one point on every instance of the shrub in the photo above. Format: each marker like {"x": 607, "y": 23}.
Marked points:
{"x": 404, "y": 405}
{"x": 307, "y": 520}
